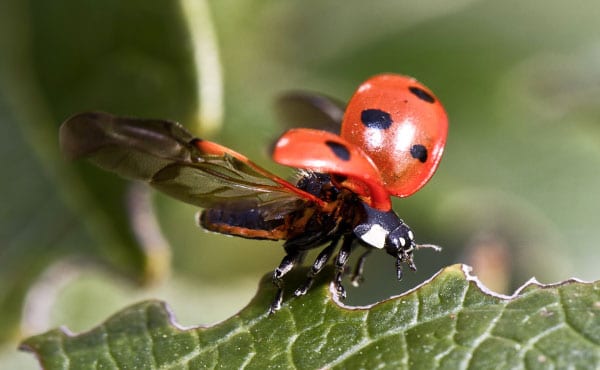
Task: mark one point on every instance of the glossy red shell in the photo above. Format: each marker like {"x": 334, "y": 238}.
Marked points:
{"x": 401, "y": 125}
{"x": 326, "y": 152}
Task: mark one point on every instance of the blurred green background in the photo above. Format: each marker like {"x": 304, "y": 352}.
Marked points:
{"x": 516, "y": 195}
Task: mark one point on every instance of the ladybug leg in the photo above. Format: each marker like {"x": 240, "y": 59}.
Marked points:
{"x": 399, "y": 262}
{"x": 317, "y": 266}
{"x": 340, "y": 265}
{"x": 405, "y": 256}
{"x": 357, "y": 276}
{"x": 291, "y": 259}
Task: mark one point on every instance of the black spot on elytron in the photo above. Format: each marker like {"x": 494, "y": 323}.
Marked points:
{"x": 195, "y": 141}
{"x": 422, "y": 94}
{"x": 419, "y": 152}
{"x": 339, "y": 150}
{"x": 376, "y": 118}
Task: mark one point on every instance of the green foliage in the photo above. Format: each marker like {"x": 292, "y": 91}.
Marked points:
{"x": 520, "y": 83}
{"x": 121, "y": 56}
{"x": 449, "y": 322}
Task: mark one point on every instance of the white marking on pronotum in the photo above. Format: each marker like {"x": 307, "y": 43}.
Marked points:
{"x": 375, "y": 236}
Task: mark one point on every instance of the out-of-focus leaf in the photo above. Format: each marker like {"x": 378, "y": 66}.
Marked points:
{"x": 64, "y": 58}
{"x": 449, "y": 322}
{"x": 35, "y": 225}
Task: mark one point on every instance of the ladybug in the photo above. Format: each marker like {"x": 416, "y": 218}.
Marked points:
{"x": 388, "y": 141}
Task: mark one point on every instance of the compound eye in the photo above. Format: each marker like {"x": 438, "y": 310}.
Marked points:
{"x": 402, "y": 242}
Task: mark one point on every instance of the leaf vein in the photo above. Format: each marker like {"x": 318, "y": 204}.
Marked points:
{"x": 63, "y": 352}
{"x": 292, "y": 340}
{"x": 567, "y": 321}
{"x": 107, "y": 341}
{"x": 149, "y": 336}
{"x": 487, "y": 333}
{"x": 439, "y": 357}
{"x": 533, "y": 340}
{"x": 248, "y": 358}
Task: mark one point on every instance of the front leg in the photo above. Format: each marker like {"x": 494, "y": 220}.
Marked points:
{"x": 406, "y": 256}
{"x": 357, "y": 276}
{"x": 399, "y": 262}
{"x": 340, "y": 264}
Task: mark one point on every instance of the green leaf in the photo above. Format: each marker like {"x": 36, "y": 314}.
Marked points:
{"x": 448, "y": 322}
{"x": 60, "y": 59}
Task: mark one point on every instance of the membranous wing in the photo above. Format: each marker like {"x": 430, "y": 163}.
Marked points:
{"x": 309, "y": 110}
{"x": 168, "y": 157}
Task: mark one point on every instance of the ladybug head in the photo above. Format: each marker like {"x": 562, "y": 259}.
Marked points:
{"x": 385, "y": 230}
{"x": 400, "y": 241}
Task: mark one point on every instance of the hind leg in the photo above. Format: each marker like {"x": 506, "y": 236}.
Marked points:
{"x": 357, "y": 275}
{"x": 291, "y": 259}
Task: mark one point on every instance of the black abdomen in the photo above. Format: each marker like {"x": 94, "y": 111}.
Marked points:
{"x": 247, "y": 223}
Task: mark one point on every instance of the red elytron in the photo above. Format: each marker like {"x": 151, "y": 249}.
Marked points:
{"x": 401, "y": 126}
{"x": 391, "y": 140}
